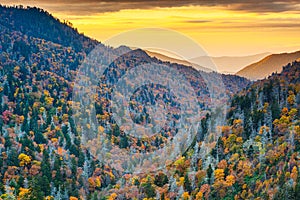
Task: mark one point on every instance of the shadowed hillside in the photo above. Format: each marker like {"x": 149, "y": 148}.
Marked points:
{"x": 268, "y": 65}
{"x": 38, "y": 23}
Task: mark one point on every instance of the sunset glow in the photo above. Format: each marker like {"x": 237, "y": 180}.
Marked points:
{"x": 221, "y": 30}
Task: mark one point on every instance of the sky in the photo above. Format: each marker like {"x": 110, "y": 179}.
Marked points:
{"x": 222, "y": 28}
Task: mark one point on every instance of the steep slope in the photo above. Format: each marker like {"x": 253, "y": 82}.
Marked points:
{"x": 40, "y": 144}
{"x": 268, "y": 65}
{"x": 166, "y": 58}
{"x": 261, "y": 142}
{"x": 38, "y": 23}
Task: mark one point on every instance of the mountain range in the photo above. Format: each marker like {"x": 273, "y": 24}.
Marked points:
{"x": 223, "y": 64}
{"x": 268, "y": 65}
{"x": 252, "y": 154}
{"x": 252, "y": 67}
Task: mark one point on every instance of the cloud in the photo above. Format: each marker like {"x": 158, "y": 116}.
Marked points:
{"x": 262, "y": 25}
{"x": 99, "y": 6}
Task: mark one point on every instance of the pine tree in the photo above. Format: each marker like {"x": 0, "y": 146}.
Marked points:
{"x": 209, "y": 172}
{"x": 187, "y": 183}
{"x": 45, "y": 165}
{"x": 124, "y": 142}
{"x": 148, "y": 188}
{"x": 36, "y": 192}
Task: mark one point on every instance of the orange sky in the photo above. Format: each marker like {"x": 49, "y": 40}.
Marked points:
{"x": 220, "y": 29}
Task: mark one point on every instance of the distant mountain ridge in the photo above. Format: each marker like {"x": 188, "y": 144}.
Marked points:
{"x": 223, "y": 64}
{"x": 268, "y": 65}
{"x": 42, "y": 156}
{"x": 228, "y": 64}
{"x": 41, "y": 34}
{"x": 178, "y": 61}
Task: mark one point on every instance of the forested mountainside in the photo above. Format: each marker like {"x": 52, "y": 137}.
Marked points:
{"x": 268, "y": 65}
{"x": 41, "y": 152}
{"x": 35, "y": 22}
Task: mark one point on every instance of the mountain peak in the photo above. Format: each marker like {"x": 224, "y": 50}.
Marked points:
{"x": 38, "y": 23}
{"x": 268, "y": 65}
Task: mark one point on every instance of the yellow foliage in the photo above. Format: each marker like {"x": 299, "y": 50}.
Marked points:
{"x": 98, "y": 182}
{"x": 117, "y": 186}
{"x": 113, "y": 196}
{"x": 226, "y": 129}
{"x": 244, "y": 193}
{"x": 23, "y": 192}
{"x": 41, "y": 147}
{"x": 54, "y": 140}
{"x": 297, "y": 129}
{"x": 230, "y": 180}
{"x": 49, "y": 100}
{"x": 234, "y": 157}
{"x": 185, "y": 196}
{"x": 21, "y": 119}
{"x": 266, "y": 105}
{"x": 239, "y": 140}
{"x": 16, "y": 92}
{"x": 59, "y": 109}
{"x": 263, "y": 129}
{"x": 17, "y": 68}
{"x": 181, "y": 181}
{"x": 46, "y": 93}
{"x": 291, "y": 98}
{"x": 257, "y": 139}
{"x": 31, "y": 133}
{"x": 219, "y": 174}
{"x": 293, "y": 112}
{"x": 180, "y": 164}
{"x": 294, "y": 173}
{"x": 101, "y": 129}
{"x": 42, "y": 109}
{"x": 180, "y": 161}
{"x": 246, "y": 167}
{"x": 88, "y": 126}
{"x": 35, "y": 162}
{"x": 65, "y": 117}
{"x": 35, "y": 104}
{"x": 134, "y": 179}
{"x": 237, "y": 122}
{"x": 24, "y": 159}
{"x": 199, "y": 196}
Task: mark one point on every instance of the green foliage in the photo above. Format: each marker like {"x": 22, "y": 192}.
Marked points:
{"x": 148, "y": 188}
{"x": 39, "y": 58}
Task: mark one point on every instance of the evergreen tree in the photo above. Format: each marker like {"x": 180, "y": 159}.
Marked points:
{"x": 45, "y": 165}
{"x": 209, "y": 172}
{"x": 187, "y": 183}
{"x": 148, "y": 188}
{"x": 124, "y": 142}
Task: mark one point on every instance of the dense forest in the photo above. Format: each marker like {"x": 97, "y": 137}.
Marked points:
{"x": 256, "y": 154}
